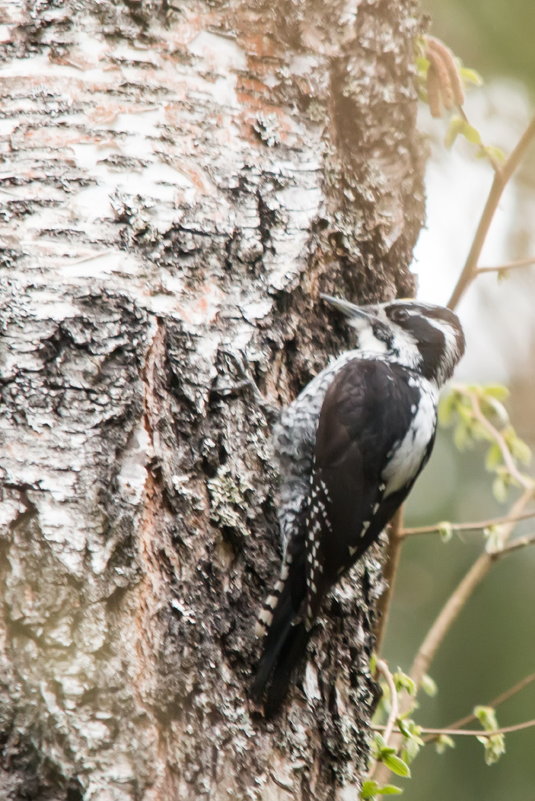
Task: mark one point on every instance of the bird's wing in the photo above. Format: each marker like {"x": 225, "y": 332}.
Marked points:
{"x": 367, "y": 411}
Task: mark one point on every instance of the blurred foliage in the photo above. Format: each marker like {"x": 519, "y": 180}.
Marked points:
{"x": 495, "y": 36}
{"x": 490, "y": 647}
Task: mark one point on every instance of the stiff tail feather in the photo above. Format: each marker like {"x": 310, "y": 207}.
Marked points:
{"x": 285, "y": 639}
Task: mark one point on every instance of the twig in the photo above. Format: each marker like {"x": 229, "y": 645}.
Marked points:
{"x": 389, "y": 575}
{"x": 516, "y": 545}
{"x": 522, "y": 480}
{"x": 387, "y": 730}
{"x": 501, "y": 178}
{"x": 500, "y": 699}
{"x": 512, "y": 265}
{"x": 481, "y": 524}
{"x": 459, "y": 597}
{"x": 382, "y": 667}
{"x": 449, "y": 614}
{"x": 527, "y": 724}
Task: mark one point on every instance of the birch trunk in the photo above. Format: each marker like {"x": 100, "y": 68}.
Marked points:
{"x": 178, "y": 184}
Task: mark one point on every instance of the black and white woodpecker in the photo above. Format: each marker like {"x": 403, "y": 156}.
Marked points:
{"x": 350, "y": 448}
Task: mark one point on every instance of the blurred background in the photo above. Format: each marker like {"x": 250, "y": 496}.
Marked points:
{"x": 492, "y": 645}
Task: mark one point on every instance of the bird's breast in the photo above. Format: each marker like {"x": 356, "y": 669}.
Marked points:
{"x": 405, "y": 459}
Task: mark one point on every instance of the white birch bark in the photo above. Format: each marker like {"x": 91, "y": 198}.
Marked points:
{"x": 177, "y": 185}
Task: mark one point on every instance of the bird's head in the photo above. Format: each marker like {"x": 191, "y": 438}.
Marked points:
{"x": 426, "y": 338}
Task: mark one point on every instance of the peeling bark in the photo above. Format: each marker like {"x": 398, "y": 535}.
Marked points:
{"x": 177, "y": 185}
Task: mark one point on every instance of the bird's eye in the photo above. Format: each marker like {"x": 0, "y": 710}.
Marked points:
{"x": 399, "y": 315}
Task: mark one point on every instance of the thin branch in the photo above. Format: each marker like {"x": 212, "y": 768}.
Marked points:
{"x": 449, "y": 613}
{"x": 387, "y": 730}
{"x": 459, "y": 597}
{"x": 527, "y": 724}
{"x": 500, "y": 699}
{"x": 512, "y": 265}
{"x": 389, "y": 575}
{"x": 382, "y": 667}
{"x": 501, "y": 178}
{"x": 512, "y": 469}
{"x": 516, "y": 545}
{"x": 481, "y": 524}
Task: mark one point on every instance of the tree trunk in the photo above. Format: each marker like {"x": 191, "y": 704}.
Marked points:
{"x": 178, "y": 185}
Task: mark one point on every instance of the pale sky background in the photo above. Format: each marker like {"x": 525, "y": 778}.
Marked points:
{"x": 498, "y": 317}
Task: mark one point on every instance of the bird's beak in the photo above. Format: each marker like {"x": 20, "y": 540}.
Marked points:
{"x": 354, "y": 313}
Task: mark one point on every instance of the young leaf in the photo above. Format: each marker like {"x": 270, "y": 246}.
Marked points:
{"x": 470, "y": 133}
{"x": 395, "y": 764}
{"x": 429, "y": 685}
{"x": 493, "y": 457}
{"x": 497, "y": 391}
{"x": 493, "y": 535}
{"x": 404, "y": 682}
{"x": 444, "y": 741}
{"x": 494, "y": 747}
{"x": 445, "y": 530}
{"x": 494, "y": 154}
{"x": 487, "y": 717}
{"x": 471, "y": 76}
{"x": 499, "y": 489}
{"x": 369, "y": 790}
{"x": 454, "y": 129}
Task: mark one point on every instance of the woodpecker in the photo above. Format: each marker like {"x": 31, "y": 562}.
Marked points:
{"x": 349, "y": 449}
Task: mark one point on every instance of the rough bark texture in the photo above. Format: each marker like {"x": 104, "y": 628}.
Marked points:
{"x": 178, "y": 184}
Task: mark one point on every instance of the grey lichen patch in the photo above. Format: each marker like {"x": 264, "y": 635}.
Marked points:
{"x": 267, "y": 129}
{"x": 230, "y": 497}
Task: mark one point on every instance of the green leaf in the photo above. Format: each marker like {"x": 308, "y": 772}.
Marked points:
{"x": 470, "y": 76}
{"x": 520, "y": 450}
{"x": 412, "y": 741}
{"x": 410, "y": 750}
{"x": 395, "y": 764}
{"x": 494, "y": 747}
{"x": 497, "y": 391}
{"x": 404, "y": 682}
{"x": 443, "y": 742}
{"x": 422, "y": 65}
{"x": 445, "y": 530}
{"x": 494, "y": 409}
{"x": 429, "y": 685}
{"x": 493, "y": 457}
{"x": 499, "y": 489}
{"x": 470, "y": 133}
{"x": 378, "y": 745}
{"x": 454, "y": 129}
{"x": 460, "y": 126}
{"x": 487, "y": 717}
{"x": 494, "y": 154}
{"x": 494, "y": 538}
{"x": 369, "y": 790}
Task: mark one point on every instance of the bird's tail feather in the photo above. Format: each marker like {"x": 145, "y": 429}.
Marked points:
{"x": 284, "y": 643}
{"x": 290, "y": 655}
